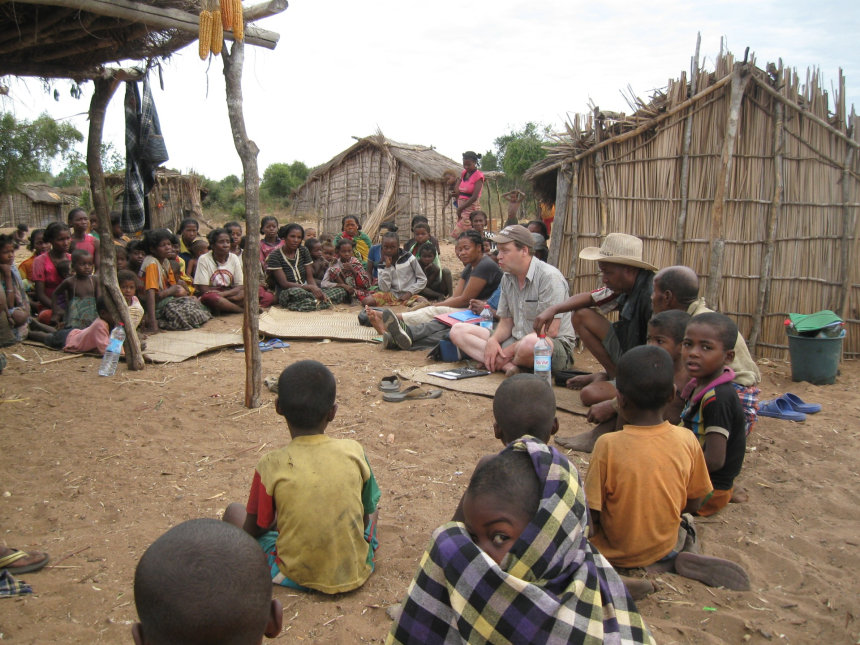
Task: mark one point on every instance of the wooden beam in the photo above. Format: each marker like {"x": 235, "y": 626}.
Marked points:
{"x": 161, "y": 18}
{"x": 849, "y": 231}
{"x": 681, "y": 228}
{"x": 739, "y": 79}
{"x": 773, "y": 218}
{"x": 248, "y": 151}
{"x": 563, "y": 181}
{"x": 603, "y": 203}
{"x": 574, "y": 221}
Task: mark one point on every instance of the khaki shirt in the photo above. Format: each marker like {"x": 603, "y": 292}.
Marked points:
{"x": 745, "y": 369}
{"x": 544, "y": 287}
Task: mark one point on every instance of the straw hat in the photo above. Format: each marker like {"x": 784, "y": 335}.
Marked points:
{"x": 618, "y": 248}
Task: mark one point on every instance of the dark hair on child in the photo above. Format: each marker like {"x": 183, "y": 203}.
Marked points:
{"x": 354, "y": 218}
{"x": 306, "y": 394}
{"x": 681, "y": 281}
{"x": 266, "y": 220}
{"x": 646, "y": 377}
{"x": 135, "y": 245}
{"x": 389, "y": 225}
{"x": 120, "y": 251}
{"x": 115, "y": 218}
{"x": 204, "y": 581}
{"x": 427, "y": 247}
{"x": 311, "y": 242}
{"x": 188, "y": 221}
{"x": 79, "y": 254}
{"x": 509, "y": 476}
{"x": 23, "y": 228}
{"x": 672, "y": 323}
{"x": 524, "y": 404}
{"x": 33, "y": 235}
{"x": 474, "y": 156}
{"x": 727, "y": 330}
{"x": 326, "y": 237}
{"x": 474, "y": 214}
{"x": 6, "y": 239}
{"x": 542, "y": 227}
{"x": 347, "y": 241}
{"x": 64, "y": 268}
{"x": 74, "y": 212}
{"x": 231, "y": 225}
{"x": 151, "y": 239}
{"x": 416, "y": 220}
{"x": 391, "y": 235}
{"x": 174, "y": 239}
{"x": 473, "y": 236}
{"x": 328, "y": 244}
{"x": 214, "y": 234}
{"x": 101, "y": 304}
{"x": 125, "y": 276}
{"x": 53, "y": 230}
{"x": 422, "y": 225}
{"x": 242, "y": 242}
{"x": 285, "y": 230}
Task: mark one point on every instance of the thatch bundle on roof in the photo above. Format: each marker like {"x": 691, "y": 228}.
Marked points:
{"x": 378, "y": 175}
{"x": 744, "y": 175}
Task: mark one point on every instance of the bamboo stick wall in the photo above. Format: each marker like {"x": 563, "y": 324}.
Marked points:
{"x": 797, "y": 253}
{"x": 17, "y": 208}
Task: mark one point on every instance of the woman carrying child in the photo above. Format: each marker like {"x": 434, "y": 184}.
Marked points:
{"x": 290, "y": 274}
{"x": 351, "y": 230}
{"x": 469, "y": 192}
{"x": 219, "y": 276}
{"x": 348, "y": 273}
{"x": 168, "y": 305}
{"x": 401, "y": 278}
{"x": 45, "y": 274}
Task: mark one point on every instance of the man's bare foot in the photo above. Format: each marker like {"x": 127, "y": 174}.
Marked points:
{"x": 31, "y": 561}
{"x": 375, "y": 319}
{"x": 582, "y": 442}
{"x": 638, "y": 587}
{"x": 511, "y": 370}
{"x": 739, "y": 496}
{"x": 714, "y": 572}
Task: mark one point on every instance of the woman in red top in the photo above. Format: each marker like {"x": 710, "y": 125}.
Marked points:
{"x": 45, "y": 275}
{"x": 469, "y": 192}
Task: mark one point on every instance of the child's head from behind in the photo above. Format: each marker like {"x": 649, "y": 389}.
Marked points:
{"x": 127, "y": 284}
{"x": 326, "y": 237}
{"x": 104, "y": 312}
{"x": 306, "y": 397}
{"x": 666, "y": 330}
{"x": 345, "y": 250}
{"x": 709, "y": 345}
{"x": 203, "y": 582}
{"x": 64, "y": 268}
{"x": 426, "y": 254}
{"x": 82, "y": 263}
{"x": 200, "y": 246}
{"x": 116, "y": 224}
{"x": 421, "y": 233}
{"x": 524, "y": 404}
{"x": 23, "y": 229}
{"x": 121, "y": 258}
{"x": 645, "y": 379}
{"x": 503, "y": 496}
{"x": 328, "y": 251}
{"x": 537, "y": 226}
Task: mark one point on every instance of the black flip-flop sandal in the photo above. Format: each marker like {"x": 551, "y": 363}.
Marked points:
{"x": 412, "y": 393}
{"x": 7, "y": 563}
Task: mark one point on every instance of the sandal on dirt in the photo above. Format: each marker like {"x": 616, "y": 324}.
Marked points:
{"x": 15, "y": 556}
{"x": 412, "y": 393}
{"x": 389, "y": 384}
{"x": 268, "y": 345}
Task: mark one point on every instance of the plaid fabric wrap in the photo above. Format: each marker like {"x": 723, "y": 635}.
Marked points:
{"x": 749, "y": 402}
{"x": 551, "y": 587}
{"x": 10, "y": 587}
{"x": 144, "y": 152}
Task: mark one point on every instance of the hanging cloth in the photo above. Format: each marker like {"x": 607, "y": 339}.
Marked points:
{"x": 144, "y": 152}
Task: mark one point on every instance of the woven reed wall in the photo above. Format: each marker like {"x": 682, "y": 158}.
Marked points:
{"x": 642, "y": 178}
{"x": 26, "y": 211}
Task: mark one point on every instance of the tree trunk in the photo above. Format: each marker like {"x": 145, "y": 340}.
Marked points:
{"x": 104, "y": 90}
{"x": 248, "y": 151}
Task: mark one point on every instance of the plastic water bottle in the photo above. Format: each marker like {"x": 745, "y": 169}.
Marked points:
{"x": 487, "y": 319}
{"x": 543, "y": 359}
{"x": 114, "y": 349}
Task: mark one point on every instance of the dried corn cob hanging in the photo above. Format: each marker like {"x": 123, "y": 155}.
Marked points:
{"x": 217, "y": 33}
{"x": 227, "y": 14}
{"x": 238, "y": 21}
{"x": 205, "y": 35}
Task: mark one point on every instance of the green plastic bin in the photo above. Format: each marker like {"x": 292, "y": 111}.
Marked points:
{"x": 815, "y": 360}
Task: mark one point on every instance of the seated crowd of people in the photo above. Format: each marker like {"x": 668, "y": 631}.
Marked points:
{"x": 532, "y": 553}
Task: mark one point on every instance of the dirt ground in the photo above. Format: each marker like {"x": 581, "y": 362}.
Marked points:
{"x": 94, "y": 469}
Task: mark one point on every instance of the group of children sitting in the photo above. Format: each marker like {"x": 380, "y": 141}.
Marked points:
{"x": 531, "y": 553}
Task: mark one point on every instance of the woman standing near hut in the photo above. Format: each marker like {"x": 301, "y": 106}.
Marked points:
{"x": 469, "y": 192}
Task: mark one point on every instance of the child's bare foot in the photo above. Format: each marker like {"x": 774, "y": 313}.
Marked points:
{"x": 714, "y": 572}
{"x": 638, "y": 587}
{"x": 739, "y": 496}
{"x": 582, "y": 442}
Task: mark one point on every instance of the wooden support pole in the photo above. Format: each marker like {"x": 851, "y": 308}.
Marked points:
{"x": 102, "y": 93}
{"x": 574, "y": 221}
{"x": 681, "y": 229}
{"x": 562, "y": 198}
{"x": 849, "y": 224}
{"x": 248, "y": 151}
{"x": 598, "y": 175}
{"x": 740, "y": 77}
{"x": 772, "y": 219}
{"x": 489, "y": 210}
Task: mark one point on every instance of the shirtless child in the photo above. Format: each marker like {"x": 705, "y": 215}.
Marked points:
{"x": 515, "y": 198}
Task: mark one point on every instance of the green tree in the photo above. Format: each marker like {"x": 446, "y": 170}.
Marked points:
{"x": 489, "y": 161}
{"x": 278, "y": 180}
{"x": 28, "y": 147}
{"x": 75, "y": 172}
{"x": 518, "y": 150}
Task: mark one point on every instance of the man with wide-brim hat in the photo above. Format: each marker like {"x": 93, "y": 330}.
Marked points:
{"x": 627, "y": 287}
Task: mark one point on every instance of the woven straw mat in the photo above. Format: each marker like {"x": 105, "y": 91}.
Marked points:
{"x": 177, "y": 346}
{"x": 315, "y": 324}
{"x": 484, "y": 385}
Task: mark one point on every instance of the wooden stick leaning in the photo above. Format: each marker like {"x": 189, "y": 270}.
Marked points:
{"x": 685, "y": 161}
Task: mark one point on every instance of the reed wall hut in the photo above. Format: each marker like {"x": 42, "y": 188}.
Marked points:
{"x": 173, "y": 198}
{"x": 395, "y": 180}
{"x": 35, "y": 204}
{"x": 750, "y": 177}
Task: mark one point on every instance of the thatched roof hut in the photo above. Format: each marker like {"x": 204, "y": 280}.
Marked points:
{"x": 745, "y": 175}
{"x": 378, "y": 175}
{"x": 173, "y": 198}
{"x": 36, "y": 204}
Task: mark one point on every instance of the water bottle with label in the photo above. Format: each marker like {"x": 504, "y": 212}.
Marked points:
{"x": 487, "y": 318}
{"x": 113, "y": 351}
{"x": 543, "y": 359}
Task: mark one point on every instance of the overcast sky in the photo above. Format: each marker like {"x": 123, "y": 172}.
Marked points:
{"x": 456, "y": 75}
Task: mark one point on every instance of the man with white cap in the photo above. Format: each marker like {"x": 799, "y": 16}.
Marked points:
{"x": 528, "y": 287}
{"x": 628, "y": 284}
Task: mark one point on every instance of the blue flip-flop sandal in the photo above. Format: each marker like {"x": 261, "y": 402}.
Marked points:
{"x": 779, "y": 409}
{"x": 798, "y": 405}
